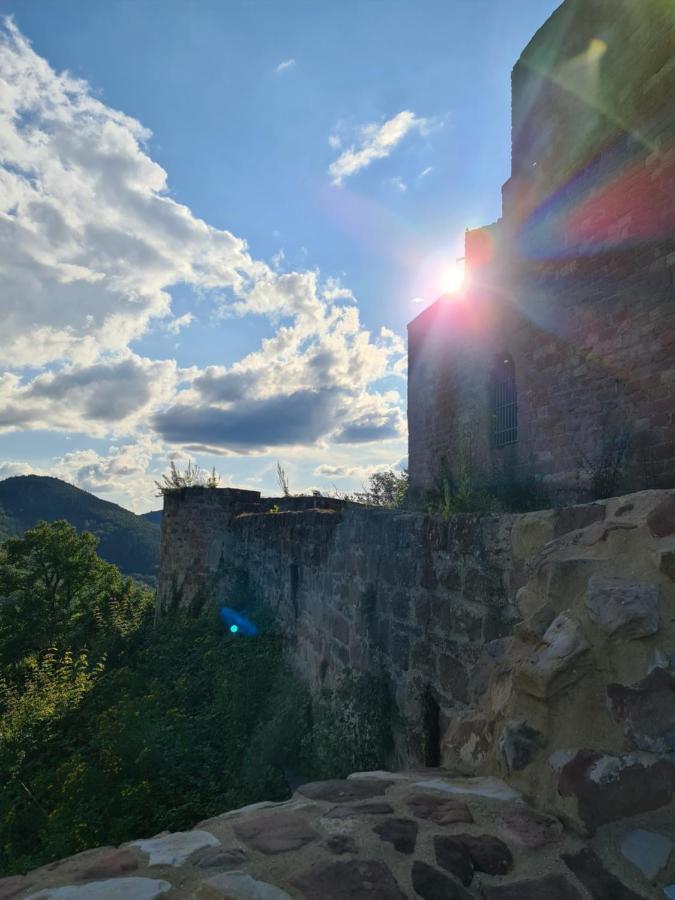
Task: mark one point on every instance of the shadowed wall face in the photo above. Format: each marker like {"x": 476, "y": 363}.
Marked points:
{"x": 576, "y": 282}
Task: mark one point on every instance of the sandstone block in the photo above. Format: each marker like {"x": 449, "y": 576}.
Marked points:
{"x": 110, "y": 889}
{"x": 646, "y": 850}
{"x": 401, "y": 833}
{"x": 523, "y": 826}
{"x": 595, "y": 877}
{"x": 275, "y": 832}
{"x": 174, "y": 849}
{"x": 441, "y": 810}
{"x": 623, "y": 608}
{"x": 340, "y": 791}
{"x": 349, "y": 879}
{"x": 519, "y": 744}
{"x": 431, "y": 884}
{"x": 553, "y": 887}
{"x": 237, "y": 886}
{"x": 608, "y": 788}
{"x": 661, "y": 520}
{"x": 647, "y": 710}
{"x": 555, "y": 664}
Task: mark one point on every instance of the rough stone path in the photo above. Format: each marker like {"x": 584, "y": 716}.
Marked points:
{"x": 377, "y": 836}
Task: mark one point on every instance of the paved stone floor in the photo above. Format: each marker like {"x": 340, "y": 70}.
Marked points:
{"x": 376, "y": 836}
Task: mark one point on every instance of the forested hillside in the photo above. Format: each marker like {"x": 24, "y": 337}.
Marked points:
{"x": 113, "y": 727}
{"x": 128, "y": 541}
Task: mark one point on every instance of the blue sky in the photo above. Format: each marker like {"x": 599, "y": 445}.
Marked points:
{"x": 207, "y": 223}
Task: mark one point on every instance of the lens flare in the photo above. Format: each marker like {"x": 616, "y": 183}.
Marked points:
{"x": 452, "y": 279}
{"x": 237, "y": 622}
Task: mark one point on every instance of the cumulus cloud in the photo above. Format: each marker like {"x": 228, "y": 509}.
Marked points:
{"x": 375, "y": 142}
{"x": 109, "y": 396}
{"x": 285, "y": 65}
{"x": 91, "y": 243}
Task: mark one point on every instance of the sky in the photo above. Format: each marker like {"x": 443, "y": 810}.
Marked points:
{"x": 217, "y": 218}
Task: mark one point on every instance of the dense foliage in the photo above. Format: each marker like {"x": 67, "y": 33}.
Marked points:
{"x": 113, "y": 728}
{"x": 128, "y": 541}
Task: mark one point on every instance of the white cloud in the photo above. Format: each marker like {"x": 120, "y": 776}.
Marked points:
{"x": 285, "y": 65}
{"x": 335, "y": 141}
{"x": 91, "y": 244}
{"x": 175, "y": 325}
{"x": 425, "y": 172}
{"x": 90, "y": 241}
{"x": 399, "y": 184}
{"x": 375, "y": 142}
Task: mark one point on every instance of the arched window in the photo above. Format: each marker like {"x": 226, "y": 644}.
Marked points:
{"x": 504, "y": 401}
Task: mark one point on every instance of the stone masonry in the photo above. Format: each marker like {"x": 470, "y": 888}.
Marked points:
{"x": 575, "y": 284}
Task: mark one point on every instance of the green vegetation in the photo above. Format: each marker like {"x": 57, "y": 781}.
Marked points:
{"x": 387, "y": 489}
{"x": 112, "y": 728}
{"x": 191, "y": 476}
{"x": 128, "y": 541}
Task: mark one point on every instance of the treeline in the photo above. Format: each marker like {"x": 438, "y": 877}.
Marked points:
{"x": 112, "y": 727}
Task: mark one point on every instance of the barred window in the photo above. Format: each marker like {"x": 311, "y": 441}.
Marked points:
{"x": 504, "y": 401}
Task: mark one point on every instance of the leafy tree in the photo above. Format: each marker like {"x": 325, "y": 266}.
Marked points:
{"x": 388, "y": 489}
{"x": 56, "y": 592}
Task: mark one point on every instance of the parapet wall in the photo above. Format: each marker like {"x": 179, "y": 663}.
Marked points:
{"x": 539, "y": 646}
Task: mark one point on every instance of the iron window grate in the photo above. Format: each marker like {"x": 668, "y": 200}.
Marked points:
{"x": 504, "y": 402}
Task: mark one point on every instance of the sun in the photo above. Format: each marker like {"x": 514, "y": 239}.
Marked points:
{"x": 452, "y": 279}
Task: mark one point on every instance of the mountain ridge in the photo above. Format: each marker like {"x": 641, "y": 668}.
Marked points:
{"x": 129, "y": 541}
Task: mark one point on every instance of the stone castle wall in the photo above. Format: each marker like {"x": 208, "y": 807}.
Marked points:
{"x": 577, "y": 281}
{"x": 543, "y": 643}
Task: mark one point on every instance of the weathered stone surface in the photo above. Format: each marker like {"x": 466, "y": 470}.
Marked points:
{"x": 351, "y": 811}
{"x": 647, "y": 850}
{"x": 341, "y": 843}
{"x": 11, "y": 886}
{"x": 222, "y": 858}
{"x": 523, "y": 826}
{"x": 555, "y": 664}
{"x": 174, "y": 849}
{"x": 600, "y": 883}
{"x": 666, "y": 563}
{"x": 553, "y": 887}
{"x": 237, "y": 886}
{"x": 341, "y": 791}
{"x": 401, "y": 833}
{"x": 453, "y": 855}
{"x": 519, "y": 744}
{"x": 488, "y": 853}
{"x": 349, "y": 880}
{"x": 109, "y": 865}
{"x": 532, "y": 629}
{"x": 430, "y": 884}
{"x": 481, "y": 786}
{"x": 661, "y": 520}
{"x": 623, "y": 608}
{"x": 441, "y": 810}
{"x": 531, "y": 532}
{"x": 608, "y": 788}
{"x": 647, "y": 710}
{"x": 109, "y": 889}
{"x": 275, "y": 832}
{"x": 467, "y": 742}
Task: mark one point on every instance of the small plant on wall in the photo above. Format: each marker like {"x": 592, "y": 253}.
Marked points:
{"x": 191, "y": 476}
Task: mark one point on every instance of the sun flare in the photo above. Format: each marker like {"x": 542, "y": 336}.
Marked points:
{"x": 452, "y": 279}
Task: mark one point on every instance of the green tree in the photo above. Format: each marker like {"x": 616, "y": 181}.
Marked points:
{"x": 56, "y": 592}
{"x": 388, "y": 489}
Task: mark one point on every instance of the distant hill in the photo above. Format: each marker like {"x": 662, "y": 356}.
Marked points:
{"x": 129, "y": 541}
{"x": 155, "y": 515}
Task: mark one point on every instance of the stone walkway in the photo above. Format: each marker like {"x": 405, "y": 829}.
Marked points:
{"x": 376, "y": 836}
